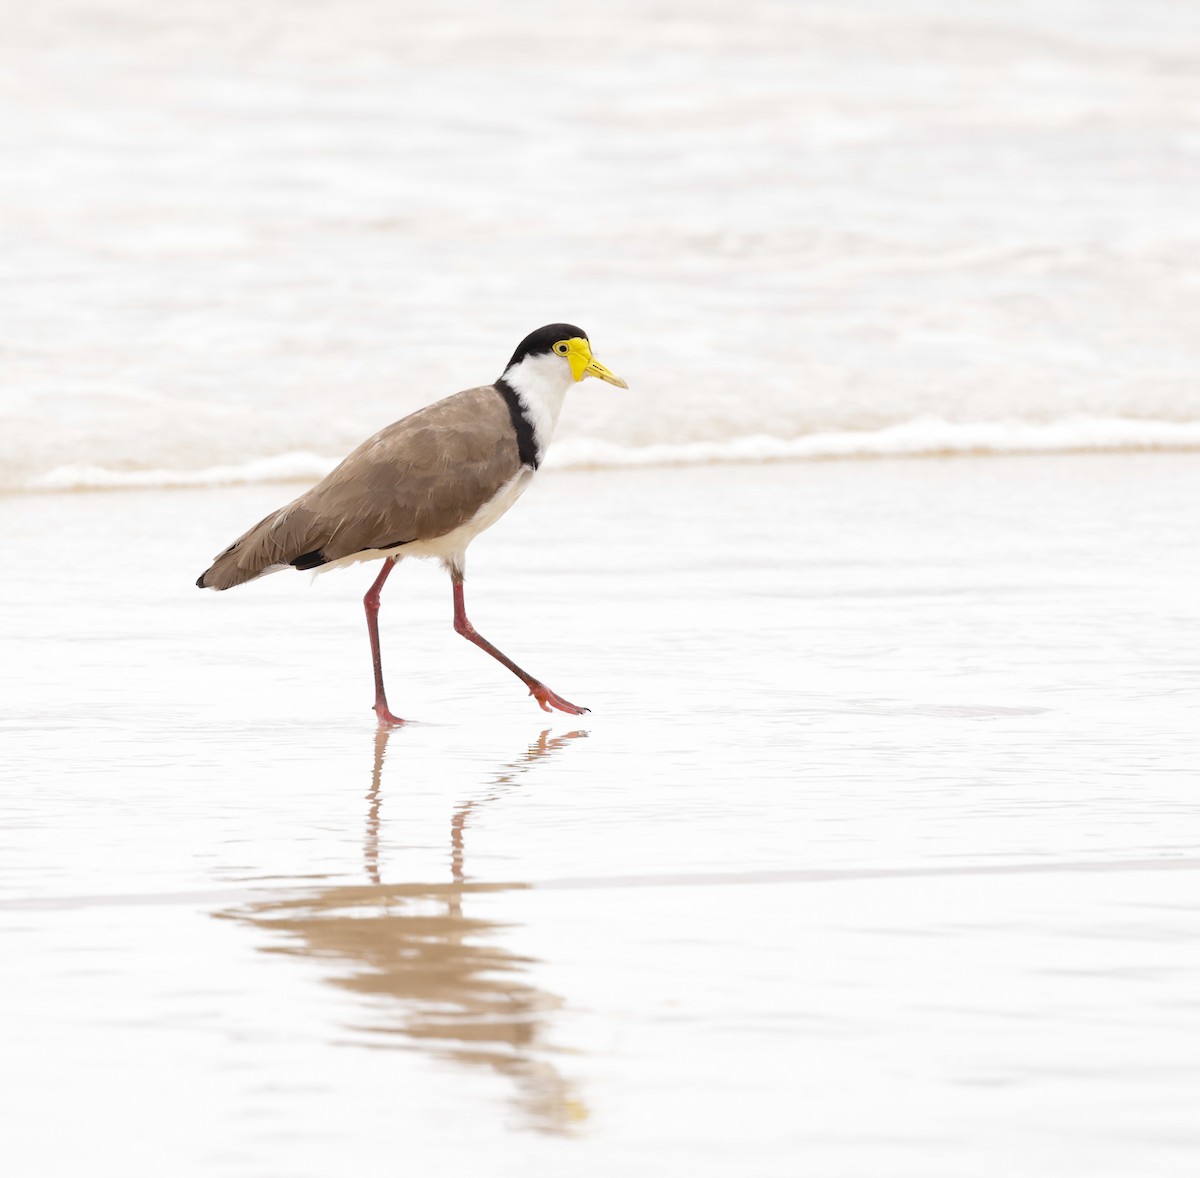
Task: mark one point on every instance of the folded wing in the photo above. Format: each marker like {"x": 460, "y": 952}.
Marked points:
{"x": 418, "y": 479}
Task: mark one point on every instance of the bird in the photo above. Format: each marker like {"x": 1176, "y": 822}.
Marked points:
{"x": 426, "y": 486}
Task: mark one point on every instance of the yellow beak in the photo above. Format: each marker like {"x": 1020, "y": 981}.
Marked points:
{"x": 583, "y": 364}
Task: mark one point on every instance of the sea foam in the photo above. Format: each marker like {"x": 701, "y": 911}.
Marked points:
{"x": 926, "y": 436}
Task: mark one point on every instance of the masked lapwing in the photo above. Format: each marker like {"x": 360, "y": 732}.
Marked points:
{"x": 427, "y": 486}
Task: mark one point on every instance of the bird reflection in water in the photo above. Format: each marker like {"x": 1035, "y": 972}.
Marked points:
{"x": 435, "y": 976}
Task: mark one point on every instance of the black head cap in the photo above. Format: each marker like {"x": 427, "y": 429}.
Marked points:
{"x": 543, "y": 340}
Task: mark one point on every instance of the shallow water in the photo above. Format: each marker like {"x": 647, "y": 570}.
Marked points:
{"x": 877, "y": 854}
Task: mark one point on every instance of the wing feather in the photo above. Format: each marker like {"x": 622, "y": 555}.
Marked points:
{"x": 417, "y": 479}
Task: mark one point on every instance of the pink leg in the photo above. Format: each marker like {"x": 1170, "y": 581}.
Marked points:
{"x": 545, "y": 697}
{"x": 371, "y": 604}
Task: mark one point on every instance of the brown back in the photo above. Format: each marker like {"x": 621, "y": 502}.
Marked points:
{"x": 417, "y": 479}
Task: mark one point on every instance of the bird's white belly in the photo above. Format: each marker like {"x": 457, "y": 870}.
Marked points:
{"x": 454, "y": 543}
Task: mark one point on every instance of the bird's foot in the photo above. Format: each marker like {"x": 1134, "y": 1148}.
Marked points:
{"x": 386, "y": 719}
{"x": 547, "y": 700}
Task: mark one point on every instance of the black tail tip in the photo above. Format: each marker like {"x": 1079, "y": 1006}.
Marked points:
{"x": 200, "y": 580}
{"x": 309, "y": 560}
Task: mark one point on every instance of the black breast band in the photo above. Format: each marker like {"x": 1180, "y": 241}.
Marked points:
{"x": 526, "y": 442}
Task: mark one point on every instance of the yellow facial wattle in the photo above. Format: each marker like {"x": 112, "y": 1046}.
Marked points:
{"x": 579, "y": 356}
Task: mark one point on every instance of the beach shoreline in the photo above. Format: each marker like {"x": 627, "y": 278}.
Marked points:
{"x": 879, "y": 809}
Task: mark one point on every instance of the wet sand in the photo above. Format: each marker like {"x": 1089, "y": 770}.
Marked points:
{"x": 877, "y": 854}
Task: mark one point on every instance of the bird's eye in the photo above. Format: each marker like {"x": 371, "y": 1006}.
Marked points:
{"x": 561, "y": 349}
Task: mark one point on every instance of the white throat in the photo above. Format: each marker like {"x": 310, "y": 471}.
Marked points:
{"x": 541, "y": 383}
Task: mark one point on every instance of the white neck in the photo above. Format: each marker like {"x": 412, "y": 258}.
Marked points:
{"x": 541, "y": 383}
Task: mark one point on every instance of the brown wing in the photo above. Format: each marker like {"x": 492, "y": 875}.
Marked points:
{"x": 418, "y": 479}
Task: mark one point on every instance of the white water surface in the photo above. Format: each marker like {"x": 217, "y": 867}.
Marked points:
{"x": 877, "y": 855}
{"x": 237, "y": 232}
